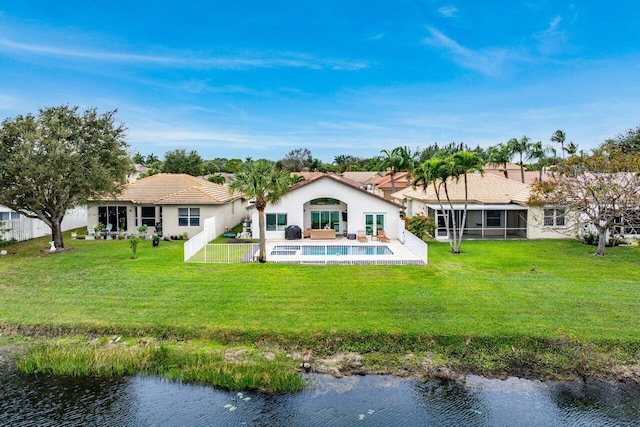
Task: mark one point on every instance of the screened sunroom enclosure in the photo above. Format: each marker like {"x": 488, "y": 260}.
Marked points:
{"x": 482, "y": 221}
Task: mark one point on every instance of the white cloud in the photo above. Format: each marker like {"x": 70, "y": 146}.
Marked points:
{"x": 448, "y": 11}
{"x": 486, "y": 61}
{"x": 202, "y": 61}
{"x": 552, "y": 40}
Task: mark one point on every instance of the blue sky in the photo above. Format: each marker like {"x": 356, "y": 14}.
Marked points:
{"x": 255, "y": 78}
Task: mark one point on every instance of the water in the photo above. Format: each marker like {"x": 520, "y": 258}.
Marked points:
{"x": 353, "y": 401}
{"x": 331, "y": 250}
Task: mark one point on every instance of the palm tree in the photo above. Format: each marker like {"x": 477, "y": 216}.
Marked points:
{"x": 437, "y": 171}
{"x": 396, "y": 160}
{"x": 520, "y": 147}
{"x": 500, "y": 155}
{"x": 216, "y": 179}
{"x": 538, "y": 152}
{"x": 572, "y": 149}
{"x": 266, "y": 184}
{"x": 559, "y": 136}
{"x": 465, "y": 162}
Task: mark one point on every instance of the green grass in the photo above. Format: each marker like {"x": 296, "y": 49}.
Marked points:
{"x": 494, "y": 296}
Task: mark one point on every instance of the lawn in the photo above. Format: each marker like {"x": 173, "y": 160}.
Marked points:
{"x": 530, "y": 308}
{"x": 542, "y": 289}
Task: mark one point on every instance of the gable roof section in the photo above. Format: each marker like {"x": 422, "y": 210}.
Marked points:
{"x": 483, "y": 190}
{"x": 168, "y": 188}
{"x": 345, "y": 183}
{"x": 400, "y": 180}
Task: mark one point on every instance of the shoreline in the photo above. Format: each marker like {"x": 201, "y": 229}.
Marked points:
{"x": 429, "y": 365}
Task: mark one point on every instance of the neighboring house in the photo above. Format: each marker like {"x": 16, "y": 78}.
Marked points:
{"x": 382, "y": 185}
{"x": 174, "y": 203}
{"x": 497, "y": 209}
{"x": 24, "y": 228}
{"x": 365, "y": 179}
{"x": 327, "y": 202}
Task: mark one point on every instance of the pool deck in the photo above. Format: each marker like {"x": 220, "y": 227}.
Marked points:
{"x": 401, "y": 254}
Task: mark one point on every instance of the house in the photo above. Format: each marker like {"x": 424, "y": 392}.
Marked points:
{"x": 173, "y": 204}
{"x": 22, "y": 228}
{"x": 497, "y": 208}
{"x": 365, "y": 179}
{"x": 329, "y": 204}
{"x": 383, "y": 186}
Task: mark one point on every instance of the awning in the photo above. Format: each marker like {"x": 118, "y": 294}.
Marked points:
{"x": 459, "y": 207}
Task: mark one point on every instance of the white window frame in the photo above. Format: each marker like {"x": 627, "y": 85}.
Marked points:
{"x": 192, "y": 216}
{"x": 554, "y": 217}
{"x": 279, "y": 216}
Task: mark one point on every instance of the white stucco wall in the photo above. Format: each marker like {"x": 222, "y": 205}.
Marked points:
{"x": 227, "y": 215}
{"x": 536, "y": 229}
{"x": 26, "y": 228}
{"x": 355, "y": 202}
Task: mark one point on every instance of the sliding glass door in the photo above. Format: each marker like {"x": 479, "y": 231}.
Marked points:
{"x": 325, "y": 219}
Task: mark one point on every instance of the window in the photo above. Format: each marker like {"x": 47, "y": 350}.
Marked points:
{"x": 493, "y": 218}
{"x": 276, "y": 222}
{"x": 554, "y": 217}
{"x": 114, "y": 215}
{"x": 6, "y": 216}
{"x": 188, "y": 217}
{"x": 148, "y": 215}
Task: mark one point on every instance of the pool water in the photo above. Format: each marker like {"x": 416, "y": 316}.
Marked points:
{"x": 320, "y": 250}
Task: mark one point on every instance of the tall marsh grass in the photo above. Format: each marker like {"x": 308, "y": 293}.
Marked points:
{"x": 96, "y": 360}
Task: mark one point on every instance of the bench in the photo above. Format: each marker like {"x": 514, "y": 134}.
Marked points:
{"x": 322, "y": 234}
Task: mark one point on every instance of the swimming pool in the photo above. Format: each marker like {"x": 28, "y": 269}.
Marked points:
{"x": 324, "y": 250}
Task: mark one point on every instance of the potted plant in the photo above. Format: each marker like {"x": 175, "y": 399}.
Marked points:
{"x": 143, "y": 231}
{"x": 98, "y": 229}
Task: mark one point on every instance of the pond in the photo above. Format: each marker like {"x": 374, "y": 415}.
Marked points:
{"x": 352, "y": 401}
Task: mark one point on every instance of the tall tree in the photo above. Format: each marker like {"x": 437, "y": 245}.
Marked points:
{"x": 628, "y": 142}
{"x": 559, "y": 136}
{"x": 539, "y": 153}
{"x": 521, "y": 147}
{"x": 500, "y": 155}
{"x": 59, "y": 160}
{"x": 297, "y": 160}
{"x": 394, "y": 161}
{"x": 179, "y": 161}
{"x": 572, "y": 149}
{"x": 595, "y": 192}
{"x": 440, "y": 172}
{"x": 266, "y": 184}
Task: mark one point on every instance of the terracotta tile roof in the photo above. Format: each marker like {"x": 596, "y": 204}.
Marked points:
{"x": 487, "y": 189}
{"x": 361, "y": 177}
{"x": 166, "y": 188}
{"x": 530, "y": 177}
{"x": 400, "y": 180}
{"x": 312, "y": 176}
{"x": 340, "y": 179}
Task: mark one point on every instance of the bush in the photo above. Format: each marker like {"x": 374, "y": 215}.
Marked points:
{"x": 421, "y": 225}
{"x": 590, "y": 238}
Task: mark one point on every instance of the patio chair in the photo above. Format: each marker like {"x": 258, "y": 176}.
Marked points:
{"x": 362, "y": 237}
{"x": 382, "y": 236}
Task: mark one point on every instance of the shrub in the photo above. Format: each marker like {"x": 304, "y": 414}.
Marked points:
{"x": 421, "y": 225}
{"x": 133, "y": 243}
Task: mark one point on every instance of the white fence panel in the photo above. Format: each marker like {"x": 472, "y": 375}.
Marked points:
{"x": 226, "y": 253}
{"x": 416, "y": 245}
{"x": 200, "y": 240}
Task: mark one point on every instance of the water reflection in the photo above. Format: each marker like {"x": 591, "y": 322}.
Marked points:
{"x": 361, "y": 401}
